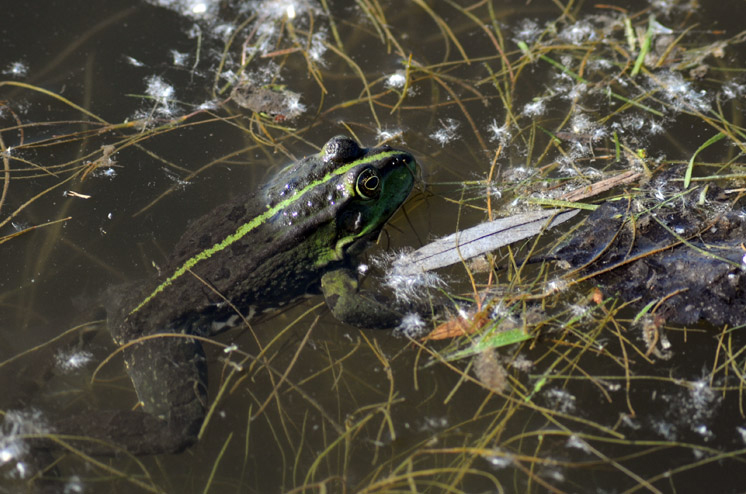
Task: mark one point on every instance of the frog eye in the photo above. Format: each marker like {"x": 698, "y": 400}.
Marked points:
{"x": 368, "y": 184}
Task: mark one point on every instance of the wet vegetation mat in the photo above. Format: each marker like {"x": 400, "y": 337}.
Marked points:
{"x": 604, "y": 354}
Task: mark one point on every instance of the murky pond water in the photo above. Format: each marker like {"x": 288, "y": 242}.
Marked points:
{"x": 118, "y": 127}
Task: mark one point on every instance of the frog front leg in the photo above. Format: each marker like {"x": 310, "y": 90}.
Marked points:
{"x": 340, "y": 288}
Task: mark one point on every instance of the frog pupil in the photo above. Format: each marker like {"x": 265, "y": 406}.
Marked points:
{"x": 368, "y": 183}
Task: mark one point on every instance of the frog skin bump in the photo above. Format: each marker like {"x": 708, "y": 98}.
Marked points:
{"x": 300, "y": 233}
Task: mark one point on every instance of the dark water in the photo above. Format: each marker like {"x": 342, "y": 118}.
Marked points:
{"x": 358, "y": 411}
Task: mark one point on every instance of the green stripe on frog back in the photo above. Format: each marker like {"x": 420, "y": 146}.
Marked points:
{"x": 257, "y": 221}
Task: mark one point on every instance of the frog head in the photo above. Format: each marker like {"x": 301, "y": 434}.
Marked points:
{"x": 346, "y": 191}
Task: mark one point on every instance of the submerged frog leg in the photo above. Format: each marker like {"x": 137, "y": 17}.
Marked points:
{"x": 170, "y": 377}
{"x": 340, "y": 288}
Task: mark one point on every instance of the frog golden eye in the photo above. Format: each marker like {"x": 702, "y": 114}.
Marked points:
{"x": 368, "y": 184}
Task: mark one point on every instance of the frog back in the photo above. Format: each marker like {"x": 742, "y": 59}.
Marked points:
{"x": 277, "y": 261}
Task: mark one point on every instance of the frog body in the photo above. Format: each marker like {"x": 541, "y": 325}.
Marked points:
{"x": 300, "y": 233}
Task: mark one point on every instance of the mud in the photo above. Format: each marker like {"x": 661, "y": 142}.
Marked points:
{"x": 682, "y": 248}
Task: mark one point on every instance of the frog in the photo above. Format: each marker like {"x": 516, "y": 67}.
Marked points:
{"x": 301, "y": 233}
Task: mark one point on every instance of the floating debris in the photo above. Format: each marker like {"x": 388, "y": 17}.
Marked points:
{"x": 490, "y": 371}
{"x": 477, "y": 240}
{"x": 668, "y": 247}
{"x": 16, "y": 69}
{"x": 272, "y": 100}
{"x": 447, "y": 132}
{"x": 71, "y": 360}
{"x": 13, "y": 446}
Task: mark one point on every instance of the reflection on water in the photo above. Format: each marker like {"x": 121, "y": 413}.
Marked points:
{"x": 121, "y": 123}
